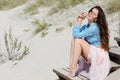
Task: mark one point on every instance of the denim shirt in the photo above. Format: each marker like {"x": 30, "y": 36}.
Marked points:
{"x": 91, "y": 34}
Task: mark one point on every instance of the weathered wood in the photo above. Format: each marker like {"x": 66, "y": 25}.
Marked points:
{"x": 118, "y": 40}
{"x": 115, "y": 54}
{"x": 114, "y": 68}
{"x": 63, "y": 72}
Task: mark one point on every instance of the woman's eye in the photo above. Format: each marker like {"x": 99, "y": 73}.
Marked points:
{"x": 94, "y": 14}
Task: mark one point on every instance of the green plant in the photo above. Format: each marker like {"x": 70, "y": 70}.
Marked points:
{"x": 26, "y": 30}
{"x": 64, "y": 4}
{"x": 44, "y": 33}
{"x": 40, "y": 26}
{"x": 59, "y": 29}
{"x": 54, "y": 10}
{"x": 8, "y": 4}
{"x": 15, "y": 48}
{"x": 31, "y": 9}
{"x": 70, "y": 24}
{"x": 60, "y": 4}
{"x": 113, "y": 6}
{"x": 45, "y": 3}
{"x": 3, "y": 57}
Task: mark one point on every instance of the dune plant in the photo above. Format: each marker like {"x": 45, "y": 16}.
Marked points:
{"x": 26, "y": 30}
{"x": 59, "y": 29}
{"x": 40, "y": 26}
{"x": 70, "y": 23}
{"x": 3, "y": 57}
{"x": 64, "y": 4}
{"x": 44, "y": 33}
{"x": 16, "y": 50}
{"x": 61, "y": 4}
{"x": 9, "y": 4}
{"x": 113, "y": 6}
{"x": 45, "y": 3}
{"x": 33, "y": 7}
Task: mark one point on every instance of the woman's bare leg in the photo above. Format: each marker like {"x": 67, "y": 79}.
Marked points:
{"x": 81, "y": 47}
{"x": 72, "y": 51}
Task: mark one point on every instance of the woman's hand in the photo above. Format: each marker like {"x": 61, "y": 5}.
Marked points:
{"x": 82, "y": 15}
{"x": 80, "y": 18}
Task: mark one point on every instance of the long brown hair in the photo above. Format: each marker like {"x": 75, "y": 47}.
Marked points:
{"x": 103, "y": 26}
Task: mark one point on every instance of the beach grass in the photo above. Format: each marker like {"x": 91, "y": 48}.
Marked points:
{"x": 44, "y": 33}
{"x": 57, "y": 5}
{"x": 9, "y": 4}
{"x": 15, "y": 48}
{"x": 113, "y": 6}
{"x": 33, "y": 7}
{"x": 40, "y": 26}
{"x": 64, "y": 4}
{"x": 59, "y": 29}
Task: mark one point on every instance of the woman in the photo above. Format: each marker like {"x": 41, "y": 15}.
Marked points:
{"x": 91, "y": 41}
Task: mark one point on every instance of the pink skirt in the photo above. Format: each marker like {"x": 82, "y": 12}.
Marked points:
{"x": 99, "y": 66}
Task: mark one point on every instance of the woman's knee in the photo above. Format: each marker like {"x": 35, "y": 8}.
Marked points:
{"x": 82, "y": 43}
{"x": 79, "y": 40}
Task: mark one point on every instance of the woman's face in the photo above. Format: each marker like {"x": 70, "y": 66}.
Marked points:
{"x": 92, "y": 15}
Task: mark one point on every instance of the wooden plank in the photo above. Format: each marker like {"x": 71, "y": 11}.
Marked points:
{"x": 117, "y": 38}
{"x": 80, "y": 76}
{"x": 115, "y": 50}
{"x": 115, "y": 54}
{"x": 114, "y": 68}
{"x": 63, "y": 72}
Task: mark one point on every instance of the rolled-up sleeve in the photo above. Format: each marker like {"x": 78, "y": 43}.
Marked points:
{"x": 93, "y": 29}
{"x": 78, "y": 28}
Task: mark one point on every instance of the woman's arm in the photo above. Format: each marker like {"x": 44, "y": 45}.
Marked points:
{"x": 78, "y": 28}
{"x": 93, "y": 29}
{"x": 78, "y": 22}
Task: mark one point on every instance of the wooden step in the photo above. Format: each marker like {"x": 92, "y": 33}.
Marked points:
{"x": 63, "y": 72}
{"x": 114, "y": 54}
{"x": 118, "y": 40}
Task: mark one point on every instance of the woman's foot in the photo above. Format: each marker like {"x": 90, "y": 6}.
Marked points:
{"x": 73, "y": 70}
